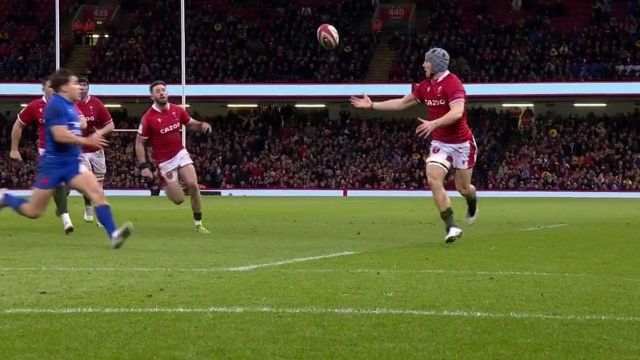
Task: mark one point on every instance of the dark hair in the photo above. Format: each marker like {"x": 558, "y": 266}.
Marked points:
{"x": 156, "y": 83}
{"x": 83, "y": 79}
{"x": 45, "y": 79}
{"x": 60, "y": 78}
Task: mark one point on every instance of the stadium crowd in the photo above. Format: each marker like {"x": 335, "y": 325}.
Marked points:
{"x": 248, "y": 41}
{"x": 530, "y": 49}
{"x": 277, "y": 147}
{"x": 255, "y": 42}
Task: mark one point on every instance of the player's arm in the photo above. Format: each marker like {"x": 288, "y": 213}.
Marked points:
{"x": 106, "y": 129}
{"x": 61, "y": 134}
{"x": 141, "y": 151}
{"x": 455, "y": 113}
{"x": 83, "y": 121}
{"x": 105, "y": 120}
{"x": 456, "y": 109}
{"x": 16, "y": 135}
{"x": 402, "y": 103}
{"x": 141, "y": 155}
{"x": 196, "y": 125}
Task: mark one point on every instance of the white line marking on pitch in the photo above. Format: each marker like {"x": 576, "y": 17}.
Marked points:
{"x": 544, "y": 227}
{"x": 320, "y": 311}
{"x": 138, "y": 269}
{"x": 286, "y": 262}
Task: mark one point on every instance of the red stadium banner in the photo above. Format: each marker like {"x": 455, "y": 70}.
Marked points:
{"x": 394, "y": 12}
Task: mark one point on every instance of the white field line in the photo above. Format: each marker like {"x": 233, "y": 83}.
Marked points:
{"x": 142, "y": 269}
{"x": 290, "y": 261}
{"x": 321, "y": 311}
{"x": 544, "y": 227}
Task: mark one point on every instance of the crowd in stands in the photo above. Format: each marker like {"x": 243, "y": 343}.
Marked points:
{"x": 277, "y": 147}
{"x": 256, "y": 41}
{"x": 27, "y": 50}
{"x": 237, "y": 41}
{"x": 529, "y": 49}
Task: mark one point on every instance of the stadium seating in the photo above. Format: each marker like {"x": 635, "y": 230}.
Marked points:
{"x": 550, "y": 41}
{"x": 229, "y": 42}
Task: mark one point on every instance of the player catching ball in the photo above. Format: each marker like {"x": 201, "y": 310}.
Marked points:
{"x": 160, "y": 125}
{"x": 452, "y": 143}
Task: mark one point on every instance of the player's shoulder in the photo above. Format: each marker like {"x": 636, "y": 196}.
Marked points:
{"x": 423, "y": 84}
{"x": 419, "y": 90}
{"x": 95, "y": 101}
{"x": 147, "y": 114}
{"x": 452, "y": 79}
{"x": 177, "y": 107}
{"x": 36, "y": 103}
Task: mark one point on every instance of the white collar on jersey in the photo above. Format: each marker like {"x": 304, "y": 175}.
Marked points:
{"x": 44, "y": 99}
{"x": 158, "y": 109}
{"x": 88, "y": 97}
{"x": 444, "y": 75}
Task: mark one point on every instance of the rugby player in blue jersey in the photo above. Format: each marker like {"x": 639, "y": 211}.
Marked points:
{"x": 61, "y": 160}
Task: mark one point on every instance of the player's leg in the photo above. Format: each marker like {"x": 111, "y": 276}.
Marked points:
{"x": 86, "y": 183}
{"x": 99, "y": 169}
{"x": 88, "y": 208}
{"x": 32, "y": 208}
{"x": 60, "y": 199}
{"x": 438, "y": 166}
{"x": 172, "y": 187}
{"x": 468, "y": 191}
{"x": 190, "y": 179}
{"x": 49, "y": 177}
{"x": 464, "y": 159}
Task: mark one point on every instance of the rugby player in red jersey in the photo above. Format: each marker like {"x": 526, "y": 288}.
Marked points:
{"x": 160, "y": 126}
{"x": 98, "y": 121}
{"x": 452, "y": 142}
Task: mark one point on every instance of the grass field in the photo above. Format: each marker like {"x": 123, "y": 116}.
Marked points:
{"x": 324, "y": 279}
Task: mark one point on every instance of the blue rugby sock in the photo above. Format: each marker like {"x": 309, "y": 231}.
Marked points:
{"x": 103, "y": 212}
{"x": 14, "y": 202}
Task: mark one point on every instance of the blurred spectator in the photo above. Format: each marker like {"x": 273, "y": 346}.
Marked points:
{"x": 377, "y": 30}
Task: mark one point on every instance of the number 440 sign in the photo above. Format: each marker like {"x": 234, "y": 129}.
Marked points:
{"x": 396, "y": 12}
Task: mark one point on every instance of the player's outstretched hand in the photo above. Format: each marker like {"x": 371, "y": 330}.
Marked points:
{"x": 363, "y": 102}
{"x": 96, "y": 141}
{"x": 15, "y": 155}
{"x": 146, "y": 173}
{"x": 205, "y": 127}
{"x": 425, "y": 128}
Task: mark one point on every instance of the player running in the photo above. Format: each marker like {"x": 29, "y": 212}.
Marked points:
{"x": 98, "y": 121}
{"x": 452, "y": 143}
{"x": 60, "y": 162}
{"x": 160, "y": 125}
{"x": 34, "y": 114}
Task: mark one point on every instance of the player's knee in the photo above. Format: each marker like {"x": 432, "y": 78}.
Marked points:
{"x": 177, "y": 197}
{"x": 434, "y": 178}
{"x": 32, "y": 213}
{"x": 191, "y": 186}
{"x": 463, "y": 188}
